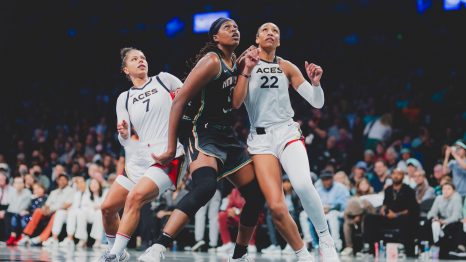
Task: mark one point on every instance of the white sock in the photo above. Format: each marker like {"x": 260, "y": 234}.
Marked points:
{"x": 302, "y": 252}
{"x": 121, "y": 241}
{"x": 111, "y": 240}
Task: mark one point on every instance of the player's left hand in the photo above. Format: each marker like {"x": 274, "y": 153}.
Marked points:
{"x": 314, "y": 72}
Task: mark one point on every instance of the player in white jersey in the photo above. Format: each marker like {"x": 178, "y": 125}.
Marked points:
{"x": 146, "y": 107}
{"x": 275, "y": 138}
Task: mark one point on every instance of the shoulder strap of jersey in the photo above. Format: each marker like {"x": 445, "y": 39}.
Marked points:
{"x": 160, "y": 82}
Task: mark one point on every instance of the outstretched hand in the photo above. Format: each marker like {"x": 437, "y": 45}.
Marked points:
{"x": 314, "y": 72}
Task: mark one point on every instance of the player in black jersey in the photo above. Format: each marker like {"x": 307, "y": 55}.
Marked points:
{"x": 213, "y": 148}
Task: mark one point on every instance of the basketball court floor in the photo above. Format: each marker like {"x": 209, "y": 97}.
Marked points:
{"x": 87, "y": 255}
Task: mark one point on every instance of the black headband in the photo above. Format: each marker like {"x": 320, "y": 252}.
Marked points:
{"x": 216, "y": 26}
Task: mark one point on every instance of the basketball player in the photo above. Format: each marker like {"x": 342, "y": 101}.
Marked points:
{"x": 275, "y": 138}
{"x": 146, "y": 107}
{"x": 214, "y": 150}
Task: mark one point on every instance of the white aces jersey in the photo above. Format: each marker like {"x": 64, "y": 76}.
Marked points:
{"x": 268, "y": 100}
{"x": 148, "y": 109}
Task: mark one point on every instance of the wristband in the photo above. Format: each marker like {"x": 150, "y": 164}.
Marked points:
{"x": 243, "y": 74}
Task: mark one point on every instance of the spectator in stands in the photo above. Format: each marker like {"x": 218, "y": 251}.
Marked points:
{"x": 358, "y": 174}
{"x": 342, "y": 178}
{"x": 38, "y": 200}
{"x": 85, "y": 209}
{"x": 19, "y": 200}
{"x": 5, "y": 169}
{"x": 369, "y": 159}
{"x": 378, "y": 130}
{"x": 36, "y": 170}
{"x": 5, "y": 188}
{"x": 436, "y": 177}
{"x": 412, "y": 166}
{"x": 230, "y": 217}
{"x": 457, "y": 166}
{"x": 423, "y": 190}
{"x": 399, "y": 211}
{"x": 380, "y": 180}
{"x": 354, "y": 214}
{"x": 29, "y": 181}
{"x": 334, "y": 197}
{"x": 391, "y": 157}
{"x": 59, "y": 199}
{"x": 446, "y": 217}
{"x": 405, "y": 155}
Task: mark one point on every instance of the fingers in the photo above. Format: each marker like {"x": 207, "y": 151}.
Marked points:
{"x": 154, "y": 157}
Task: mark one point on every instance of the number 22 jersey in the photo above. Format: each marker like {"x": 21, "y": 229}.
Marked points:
{"x": 268, "y": 100}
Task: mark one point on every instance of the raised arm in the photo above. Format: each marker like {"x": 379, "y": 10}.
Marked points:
{"x": 204, "y": 71}
{"x": 248, "y": 60}
{"x": 312, "y": 92}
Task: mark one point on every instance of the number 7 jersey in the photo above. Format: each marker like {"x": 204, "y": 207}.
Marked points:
{"x": 148, "y": 110}
{"x": 268, "y": 100}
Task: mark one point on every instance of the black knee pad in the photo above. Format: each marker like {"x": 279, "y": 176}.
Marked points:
{"x": 254, "y": 203}
{"x": 204, "y": 185}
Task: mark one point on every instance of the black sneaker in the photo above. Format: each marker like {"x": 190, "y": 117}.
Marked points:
{"x": 457, "y": 253}
{"x": 365, "y": 251}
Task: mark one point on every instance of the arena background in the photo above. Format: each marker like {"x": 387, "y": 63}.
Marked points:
{"x": 61, "y": 65}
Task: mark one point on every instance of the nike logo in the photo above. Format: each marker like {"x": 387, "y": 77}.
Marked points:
{"x": 226, "y": 110}
{"x": 225, "y": 71}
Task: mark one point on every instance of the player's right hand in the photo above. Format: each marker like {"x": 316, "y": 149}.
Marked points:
{"x": 164, "y": 158}
{"x": 251, "y": 59}
{"x": 123, "y": 129}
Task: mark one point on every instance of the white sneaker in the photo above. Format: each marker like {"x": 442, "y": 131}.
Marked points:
{"x": 107, "y": 257}
{"x": 124, "y": 257}
{"x": 198, "y": 245}
{"x": 244, "y": 258}
{"x": 226, "y": 248}
{"x": 309, "y": 258}
{"x": 271, "y": 250}
{"x": 51, "y": 242}
{"x": 66, "y": 243}
{"x": 348, "y": 251}
{"x": 24, "y": 241}
{"x": 153, "y": 253}
{"x": 252, "y": 249}
{"x": 82, "y": 244}
{"x": 288, "y": 250}
{"x": 36, "y": 240}
{"x": 103, "y": 256}
{"x": 327, "y": 250}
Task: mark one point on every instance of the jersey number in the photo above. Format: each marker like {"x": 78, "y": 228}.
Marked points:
{"x": 266, "y": 81}
{"x": 147, "y": 101}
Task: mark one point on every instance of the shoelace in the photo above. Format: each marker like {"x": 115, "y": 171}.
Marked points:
{"x": 109, "y": 257}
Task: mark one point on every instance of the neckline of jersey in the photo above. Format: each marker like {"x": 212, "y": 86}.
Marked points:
{"x": 268, "y": 62}
{"x": 144, "y": 86}
{"x": 230, "y": 69}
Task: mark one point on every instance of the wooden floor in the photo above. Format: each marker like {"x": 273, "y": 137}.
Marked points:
{"x": 84, "y": 255}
